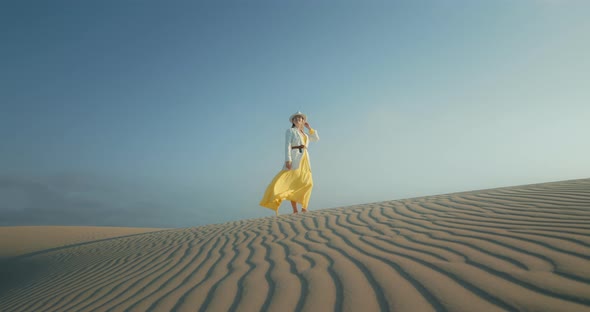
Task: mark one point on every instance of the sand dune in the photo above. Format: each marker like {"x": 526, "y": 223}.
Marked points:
{"x": 505, "y": 249}
{"x": 21, "y": 240}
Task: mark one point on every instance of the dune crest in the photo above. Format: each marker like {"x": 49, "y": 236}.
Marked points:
{"x": 505, "y": 249}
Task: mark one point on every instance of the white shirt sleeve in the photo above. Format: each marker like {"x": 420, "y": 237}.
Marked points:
{"x": 288, "y": 136}
{"x": 313, "y": 135}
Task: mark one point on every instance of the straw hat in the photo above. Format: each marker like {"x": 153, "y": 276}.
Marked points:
{"x": 297, "y": 114}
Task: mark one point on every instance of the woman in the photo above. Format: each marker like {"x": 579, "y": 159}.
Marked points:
{"x": 294, "y": 181}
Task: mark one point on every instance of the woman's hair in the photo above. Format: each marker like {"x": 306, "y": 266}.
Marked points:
{"x": 293, "y": 125}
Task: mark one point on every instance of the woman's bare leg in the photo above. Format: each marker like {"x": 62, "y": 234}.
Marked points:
{"x": 294, "y": 205}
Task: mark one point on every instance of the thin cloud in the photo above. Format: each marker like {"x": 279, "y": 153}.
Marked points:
{"x": 27, "y": 201}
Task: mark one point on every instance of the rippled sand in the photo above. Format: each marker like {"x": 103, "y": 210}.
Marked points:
{"x": 505, "y": 249}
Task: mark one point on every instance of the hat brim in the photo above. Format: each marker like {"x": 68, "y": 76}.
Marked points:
{"x": 295, "y": 115}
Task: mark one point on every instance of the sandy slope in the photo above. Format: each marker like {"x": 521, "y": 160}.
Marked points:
{"x": 506, "y": 249}
{"x": 20, "y": 240}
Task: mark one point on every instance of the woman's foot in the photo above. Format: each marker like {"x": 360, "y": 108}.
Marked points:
{"x": 303, "y": 209}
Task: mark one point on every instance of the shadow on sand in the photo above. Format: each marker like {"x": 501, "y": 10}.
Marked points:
{"x": 16, "y": 272}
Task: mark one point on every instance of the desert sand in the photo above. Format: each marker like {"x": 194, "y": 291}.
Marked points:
{"x": 505, "y": 249}
{"x": 20, "y": 240}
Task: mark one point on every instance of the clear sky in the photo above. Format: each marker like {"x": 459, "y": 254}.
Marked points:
{"x": 173, "y": 113}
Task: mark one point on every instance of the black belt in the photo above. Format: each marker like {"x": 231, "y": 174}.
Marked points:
{"x": 300, "y": 147}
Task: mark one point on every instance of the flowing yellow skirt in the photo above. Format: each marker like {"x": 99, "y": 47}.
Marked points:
{"x": 294, "y": 185}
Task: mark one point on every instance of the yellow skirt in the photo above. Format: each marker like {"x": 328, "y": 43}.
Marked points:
{"x": 294, "y": 185}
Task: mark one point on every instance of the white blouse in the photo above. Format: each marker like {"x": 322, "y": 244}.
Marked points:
{"x": 293, "y": 137}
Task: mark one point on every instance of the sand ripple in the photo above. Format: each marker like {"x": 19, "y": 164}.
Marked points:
{"x": 505, "y": 249}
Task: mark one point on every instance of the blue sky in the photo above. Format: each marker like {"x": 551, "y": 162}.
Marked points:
{"x": 172, "y": 113}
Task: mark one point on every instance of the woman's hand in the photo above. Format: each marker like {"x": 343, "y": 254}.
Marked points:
{"x": 288, "y": 165}
{"x": 307, "y": 125}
